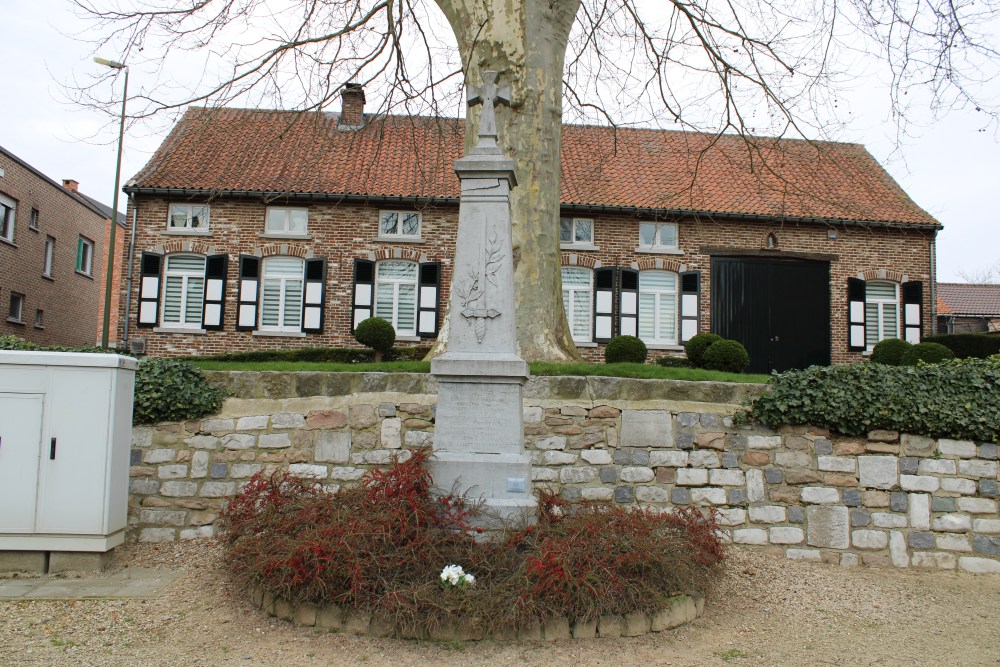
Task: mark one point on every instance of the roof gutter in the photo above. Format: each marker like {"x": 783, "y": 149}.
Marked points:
{"x": 586, "y": 208}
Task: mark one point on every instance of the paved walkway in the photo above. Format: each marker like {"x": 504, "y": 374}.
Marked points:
{"x": 135, "y": 582}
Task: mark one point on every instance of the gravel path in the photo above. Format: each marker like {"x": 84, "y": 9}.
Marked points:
{"x": 765, "y": 611}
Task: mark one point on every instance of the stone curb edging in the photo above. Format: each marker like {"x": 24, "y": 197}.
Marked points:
{"x": 682, "y": 609}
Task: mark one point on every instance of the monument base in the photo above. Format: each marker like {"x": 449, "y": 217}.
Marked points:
{"x": 501, "y": 481}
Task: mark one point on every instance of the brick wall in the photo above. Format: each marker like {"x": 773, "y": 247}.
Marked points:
{"x": 69, "y": 300}
{"x": 345, "y": 232}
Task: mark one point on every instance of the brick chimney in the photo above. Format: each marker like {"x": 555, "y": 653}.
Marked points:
{"x": 352, "y": 100}
{"x": 71, "y": 185}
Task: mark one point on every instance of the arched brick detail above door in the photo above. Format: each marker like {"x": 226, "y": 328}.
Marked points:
{"x": 883, "y": 274}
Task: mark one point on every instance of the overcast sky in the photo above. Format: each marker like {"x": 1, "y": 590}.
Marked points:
{"x": 950, "y": 167}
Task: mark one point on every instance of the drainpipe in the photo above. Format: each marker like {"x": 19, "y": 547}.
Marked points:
{"x": 934, "y": 283}
{"x": 131, "y": 260}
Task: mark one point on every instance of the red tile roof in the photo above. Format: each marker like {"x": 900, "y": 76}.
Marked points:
{"x": 249, "y": 150}
{"x": 965, "y": 299}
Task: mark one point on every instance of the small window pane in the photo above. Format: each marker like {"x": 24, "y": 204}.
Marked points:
{"x": 298, "y": 220}
{"x": 411, "y": 224}
{"x": 390, "y": 223}
{"x": 647, "y": 233}
{"x": 668, "y": 235}
{"x": 584, "y": 231}
{"x": 397, "y": 270}
{"x": 657, "y": 280}
{"x": 276, "y": 219}
{"x": 566, "y": 230}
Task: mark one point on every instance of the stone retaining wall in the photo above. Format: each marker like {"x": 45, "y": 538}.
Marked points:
{"x": 888, "y": 499}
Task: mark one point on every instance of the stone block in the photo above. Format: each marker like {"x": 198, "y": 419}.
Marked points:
{"x": 716, "y": 441}
{"x": 584, "y": 629}
{"x": 860, "y": 518}
{"x": 162, "y": 517}
{"x": 952, "y": 523}
{"x": 390, "y": 433}
{"x": 598, "y": 494}
{"x": 704, "y": 459}
{"x": 849, "y": 448}
{"x": 767, "y": 514}
{"x": 820, "y": 495}
{"x": 804, "y": 554}
{"x": 923, "y": 483}
{"x": 801, "y": 477}
{"x": 940, "y": 504}
{"x": 332, "y": 446}
{"x": 609, "y": 475}
{"x": 346, "y": 474}
{"x": 239, "y": 441}
{"x": 578, "y": 475}
{"x": 922, "y": 541}
{"x": 898, "y": 554}
{"x": 957, "y": 485}
{"x": 646, "y": 428}
{"x": 793, "y": 459}
{"x": 931, "y": 559}
{"x": 176, "y": 471}
{"x": 958, "y": 448}
{"x": 217, "y": 489}
{"x": 596, "y": 456}
{"x": 749, "y": 536}
{"x": 977, "y": 505}
{"x": 881, "y": 448}
{"x": 785, "y": 494}
{"x": 889, "y": 520}
{"x": 823, "y": 447}
{"x": 78, "y": 561}
{"x": 157, "y": 535}
{"x": 785, "y": 535}
{"x": 763, "y": 441}
{"x": 202, "y": 442}
{"x": 736, "y": 497}
{"x": 23, "y": 561}
{"x": 142, "y": 436}
{"x": 308, "y": 470}
{"x": 556, "y": 629}
{"x": 899, "y": 501}
{"x": 755, "y": 485}
{"x": 175, "y": 489}
{"x": 851, "y": 497}
{"x": 244, "y": 470}
{"x": 710, "y": 419}
{"x": 636, "y": 624}
{"x": 730, "y": 460}
{"x": 909, "y": 465}
{"x": 870, "y": 539}
{"x": 880, "y": 435}
{"x": 989, "y": 546}
{"x": 988, "y": 450}
{"x": 668, "y": 458}
{"x": 680, "y": 496}
{"x": 611, "y": 626}
{"x": 684, "y": 440}
{"x": 361, "y": 416}
{"x": 639, "y": 474}
{"x": 218, "y": 425}
{"x": 978, "y": 468}
{"x": 974, "y": 565}
{"x": 199, "y": 464}
{"x": 159, "y": 456}
{"x": 544, "y": 474}
{"x": 651, "y": 494}
{"x": 917, "y": 445}
{"x": 756, "y": 458}
{"x": 688, "y": 419}
{"x": 953, "y": 542}
{"x": 827, "y": 527}
{"x": 878, "y": 472}
{"x": 557, "y": 458}
{"x": 796, "y": 442}
{"x": 796, "y": 515}
{"x": 990, "y": 526}
{"x": 418, "y": 439}
{"x": 604, "y": 412}
{"x": 937, "y": 467}
{"x": 708, "y": 495}
{"x": 624, "y": 495}
{"x": 837, "y": 463}
{"x": 329, "y": 617}
{"x": 732, "y": 516}
{"x": 988, "y": 488}
{"x": 532, "y": 414}
{"x": 530, "y": 631}
{"x": 143, "y": 487}
{"x": 726, "y": 478}
{"x": 692, "y": 476}
{"x": 274, "y": 441}
{"x": 357, "y": 622}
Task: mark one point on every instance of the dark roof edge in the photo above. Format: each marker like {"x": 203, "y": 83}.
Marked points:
{"x": 59, "y": 186}
{"x": 588, "y": 208}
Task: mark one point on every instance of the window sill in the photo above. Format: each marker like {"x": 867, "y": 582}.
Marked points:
{"x": 409, "y": 339}
{"x": 179, "y": 330}
{"x": 39, "y": 327}
{"x": 8, "y": 241}
{"x": 671, "y": 348}
{"x": 11, "y": 320}
{"x": 583, "y": 247}
{"x": 33, "y": 229}
{"x": 279, "y": 334}
{"x": 397, "y": 239}
{"x": 580, "y": 343}
{"x": 175, "y": 231}
{"x": 288, "y": 236}
{"x": 659, "y": 251}
{"x": 85, "y": 275}
{"x": 48, "y": 276}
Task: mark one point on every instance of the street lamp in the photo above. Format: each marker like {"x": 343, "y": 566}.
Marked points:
{"x": 114, "y": 205}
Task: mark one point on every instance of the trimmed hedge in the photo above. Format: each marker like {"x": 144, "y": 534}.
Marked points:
{"x": 336, "y": 355}
{"x": 953, "y": 399}
{"x": 932, "y": 353}
{"x": 172, "y": 390}
{"x": 695, "y": 348}
{"x": 726, "y": 355}
{"x": 376, "y": 333}
{"x": 890, "y": 351}
{"x": 977, "y": 345}
{"x": 625, "y": 350}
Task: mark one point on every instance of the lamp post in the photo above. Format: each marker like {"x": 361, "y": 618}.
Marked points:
{"x": 114, "y": 205}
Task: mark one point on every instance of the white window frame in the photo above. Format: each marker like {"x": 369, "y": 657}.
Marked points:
{"x": 39, "y": 321}
{"x": 285, "y": 229}
{"x": 657, "y": 245}
{"x": 398, "y": 235}
{"x": 15, "y": 314}
{"x": 660, "y": 295}
{"x": 8, "y": 215}
{"x": 185, "y": 275}
{"x": 881, "y": 304}
{"x": 283, "y": 282}
{"x": 570, "y": 295}
{"x": 33, "y": 220}
{"x": 575, "y": 225}
{"x": 203, "y": 213}
{"x": 50, "y": 251}
{"x": 85, "y": 261}
{"x": 396, "y": 282}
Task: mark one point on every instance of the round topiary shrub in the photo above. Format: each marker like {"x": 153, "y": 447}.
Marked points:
{"x": 890, "y": 351}
{"x": 932, "y": 353}
{"x": 377, "y": 334}
{"x": 625, "y": 350}
{"x": 726, "y": 355}
{"x": 695, "y": 348}
{"x": 172, "y": 390}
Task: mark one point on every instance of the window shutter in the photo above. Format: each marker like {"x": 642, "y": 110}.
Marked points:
{"x": 855, "y": 314}
{"x": 314, "y": 298}
{"x": 427, "y": 310}
{"x": 628, "y": 303}
{"x": 364, "y": 282}
{"x": 246, "y": 313}
{"x": 149, "y": 289}
{"x": 216, "y": 267}
{"x": 913, "y": 306}
{"x": 604, "y": 304}
{"x": 690, "y": 304}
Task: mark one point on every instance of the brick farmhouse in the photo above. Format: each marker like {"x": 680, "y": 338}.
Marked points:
{"x": 262, "y": 229}
{"x": 53, "y": 240}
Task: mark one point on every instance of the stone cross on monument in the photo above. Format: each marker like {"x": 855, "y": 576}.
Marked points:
{"x": 479, "y": 429}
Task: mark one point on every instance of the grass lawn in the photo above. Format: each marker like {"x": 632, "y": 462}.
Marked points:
{"x": 644, "y": 371}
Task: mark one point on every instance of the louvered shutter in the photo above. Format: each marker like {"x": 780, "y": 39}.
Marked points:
{"x": 364, "y": 282}
{"x": 150, "y": 265}
{"x": 246, "y": 313}
{"x": 628, "y": 303}
{"x": 913, "y": 305}
{"x": 216, "y": 267}
{"x": 427, "y": 310}
{"x": 690, "y": 304}
{"x": 604, "y": 304}
{"x": 855, "y": 314}
{"x": 314, "y": 298}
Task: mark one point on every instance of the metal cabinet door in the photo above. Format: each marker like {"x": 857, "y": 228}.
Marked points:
{"x": 20, "y": 434}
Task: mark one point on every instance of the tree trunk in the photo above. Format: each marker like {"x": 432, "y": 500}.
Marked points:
{"x": 525, "y": 42}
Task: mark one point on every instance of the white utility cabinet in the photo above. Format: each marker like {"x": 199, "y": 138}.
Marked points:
{"x": 65, "y": 432}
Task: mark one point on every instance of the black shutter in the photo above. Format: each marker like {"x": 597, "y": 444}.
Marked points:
{"x": 690, "y": 304}
{"x": 429, "y": 289}
{"x": 246, "y": 309}
{"x": 364, "y": 291}
{"x": 913, "y": 307}
{"x": 216, "y": 267}
{"x": 604, "y": 304}
{"x": 314, "y": 296}
{"x": 855, "y": 314}
{"x": 628, "y": 303}
{"x": 150, "y": 265}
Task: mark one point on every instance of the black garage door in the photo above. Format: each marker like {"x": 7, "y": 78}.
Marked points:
{"x": 778, "y": 309}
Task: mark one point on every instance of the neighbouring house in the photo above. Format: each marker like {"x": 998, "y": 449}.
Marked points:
{"x": 968, "y": 308}
{"x": 264, "y": 229}
{"x": 53, "y": 244}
